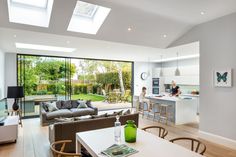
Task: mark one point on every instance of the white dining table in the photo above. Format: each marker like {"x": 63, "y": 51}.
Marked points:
{"x": 147, "y": 144}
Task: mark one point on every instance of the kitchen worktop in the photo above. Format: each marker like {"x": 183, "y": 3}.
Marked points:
{"x": 171, "y": 98}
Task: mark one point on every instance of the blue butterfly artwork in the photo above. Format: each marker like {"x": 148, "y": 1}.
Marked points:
{"x": 221, "y": 77}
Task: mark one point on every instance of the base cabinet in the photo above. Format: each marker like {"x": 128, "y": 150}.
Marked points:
{"x": 9, "y": 131}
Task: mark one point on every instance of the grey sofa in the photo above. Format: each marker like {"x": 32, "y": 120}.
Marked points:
{"x": 67, "y": 109}
{"x": 68, "y": 130}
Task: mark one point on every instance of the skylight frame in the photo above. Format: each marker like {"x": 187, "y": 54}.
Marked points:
{"x": 30, "y": 15}
{"x": 18, "y": 2}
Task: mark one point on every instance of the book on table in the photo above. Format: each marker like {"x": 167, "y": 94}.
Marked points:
{"x": 119, "y": 151}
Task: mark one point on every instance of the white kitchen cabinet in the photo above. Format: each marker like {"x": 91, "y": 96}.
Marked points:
{"x": 182, "y": 80}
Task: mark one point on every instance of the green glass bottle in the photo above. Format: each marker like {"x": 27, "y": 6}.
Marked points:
{"x": 130, "y": 131}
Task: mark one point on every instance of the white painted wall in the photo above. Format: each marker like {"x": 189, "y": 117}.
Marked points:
{"x": 139, "y": 68}
{"x": 217, "y": 51}
{"x": 10, "y": 70}
{"x": 2, "y": 74}
{"x": 189, "y": 71}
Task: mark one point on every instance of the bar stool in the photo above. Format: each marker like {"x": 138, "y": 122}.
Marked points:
{"x": 164, "y": 113}
{"x": 143, "y": 108}
{"x": 155, "y": 109}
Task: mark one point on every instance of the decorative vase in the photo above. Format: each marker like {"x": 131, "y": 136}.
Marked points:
{"x": 15, "y": 105}
{"x": 130, "y": 131}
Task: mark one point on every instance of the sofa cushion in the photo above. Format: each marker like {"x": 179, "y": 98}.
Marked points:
{"x": 88, "y": 103}
{"x": 74, "y": 103}
{"x": 59, "y": 113}
{"x": 51, "y": 106}
{"x": 66, "y": 104}
{"x": 58, "y": 104}
{"x": 82, "y": 111}
{"x": 99, "y": 116}
{"x": 45, "y": 107}
{"x": 82, "y": 104}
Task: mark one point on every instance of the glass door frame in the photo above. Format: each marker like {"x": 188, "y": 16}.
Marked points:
{"x": 68, "y": 85}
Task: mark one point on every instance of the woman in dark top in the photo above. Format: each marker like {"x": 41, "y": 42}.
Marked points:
{"x": 175, "y": 90}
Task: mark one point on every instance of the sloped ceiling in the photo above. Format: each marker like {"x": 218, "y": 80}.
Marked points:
{"x": 149, "y": 19}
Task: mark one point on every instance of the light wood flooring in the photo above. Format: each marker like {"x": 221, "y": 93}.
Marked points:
{"x": 33, "y": 140}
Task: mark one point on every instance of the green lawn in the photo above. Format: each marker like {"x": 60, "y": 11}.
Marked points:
{"x": 92, "y": 97}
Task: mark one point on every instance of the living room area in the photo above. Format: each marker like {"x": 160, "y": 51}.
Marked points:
{"x": 116, "y": 78}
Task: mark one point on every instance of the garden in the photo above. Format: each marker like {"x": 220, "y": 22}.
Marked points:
{"x": 96, "y": 80}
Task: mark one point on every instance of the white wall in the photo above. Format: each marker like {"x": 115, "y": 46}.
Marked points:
{"x": 189, "y": 71}
{"x": 2, "y": 74}
{"x": 10, "y": 70}
{"x": 217, "y": 51}
{"x": 139, "y": 68}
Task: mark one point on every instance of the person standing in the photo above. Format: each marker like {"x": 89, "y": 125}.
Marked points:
{"x": 175, "y": 90}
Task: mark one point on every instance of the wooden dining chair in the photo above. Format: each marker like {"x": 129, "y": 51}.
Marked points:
{"x": 60, "y": 152}
{"x": 162, "y": 132}
{"x": 196, "y": 148}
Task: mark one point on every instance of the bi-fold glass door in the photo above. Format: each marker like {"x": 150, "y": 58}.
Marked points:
{"x": 44, "y": 79}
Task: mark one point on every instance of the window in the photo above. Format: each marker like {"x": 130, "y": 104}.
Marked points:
{"x": 85, "y": 9}
{"x": 33, "y": 3}
{"x": 30, "y": 12}
{"x": 87, "y": 18}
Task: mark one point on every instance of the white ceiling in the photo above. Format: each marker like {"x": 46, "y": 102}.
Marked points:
{"x": 89, "y": 48}
{"x": 149, "y": 20}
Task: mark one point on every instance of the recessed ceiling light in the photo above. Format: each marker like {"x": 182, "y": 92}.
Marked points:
{"x": 164, "y": 36}
{"x": 43, "y": 47}
{"x": 14, "y": 36}
{"x": 129, "y": 29}
{"x": 202, "y": 13}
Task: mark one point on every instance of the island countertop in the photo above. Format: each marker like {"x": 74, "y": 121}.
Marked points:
{"x": 170, "y": 98}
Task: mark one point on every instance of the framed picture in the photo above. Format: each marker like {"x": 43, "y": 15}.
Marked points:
{"x": 223, "y": 78}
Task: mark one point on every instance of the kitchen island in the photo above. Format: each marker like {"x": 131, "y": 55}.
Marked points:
{"x": 183, "y": 109}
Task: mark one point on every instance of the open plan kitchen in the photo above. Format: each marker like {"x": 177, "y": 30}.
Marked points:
{"x": 168, "y": 90}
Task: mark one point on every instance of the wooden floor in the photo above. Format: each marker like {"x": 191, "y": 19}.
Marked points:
{"x": 33, "y": 140}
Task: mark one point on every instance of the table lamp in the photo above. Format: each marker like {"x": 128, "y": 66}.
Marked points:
{"x": 15, "y": 92}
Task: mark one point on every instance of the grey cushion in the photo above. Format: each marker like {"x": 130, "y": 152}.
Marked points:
{"x": 74, "y": 103}
{"x": 88, "y": 103}
{"x": 58, "y": 104}
{"x": 127, "y": 112}
{"x": 82, "y": 111}
{"x": 45, "y": 107}
{"x": 99, "y": 116}
{"x": 66, "y": 104}
{"x": 59, "y": 113}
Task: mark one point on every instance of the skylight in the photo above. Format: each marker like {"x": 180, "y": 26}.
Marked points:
{"x": 87, "y": 18}
{"x": 43, "y": 47}
{"x": 34, "y": 3}
{"x": 30, "y": 12}
{"x": 85, "y": 9}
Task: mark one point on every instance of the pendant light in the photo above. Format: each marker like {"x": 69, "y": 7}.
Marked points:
{"x": 161, "y": 71}
{"x": 177, "y": 71}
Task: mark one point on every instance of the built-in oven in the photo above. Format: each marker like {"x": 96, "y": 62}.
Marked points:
{"x": 155, "y": 90}
{"x": 155, "y": 86}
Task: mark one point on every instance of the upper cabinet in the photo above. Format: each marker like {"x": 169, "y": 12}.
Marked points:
{"x": 189, "y": 75}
